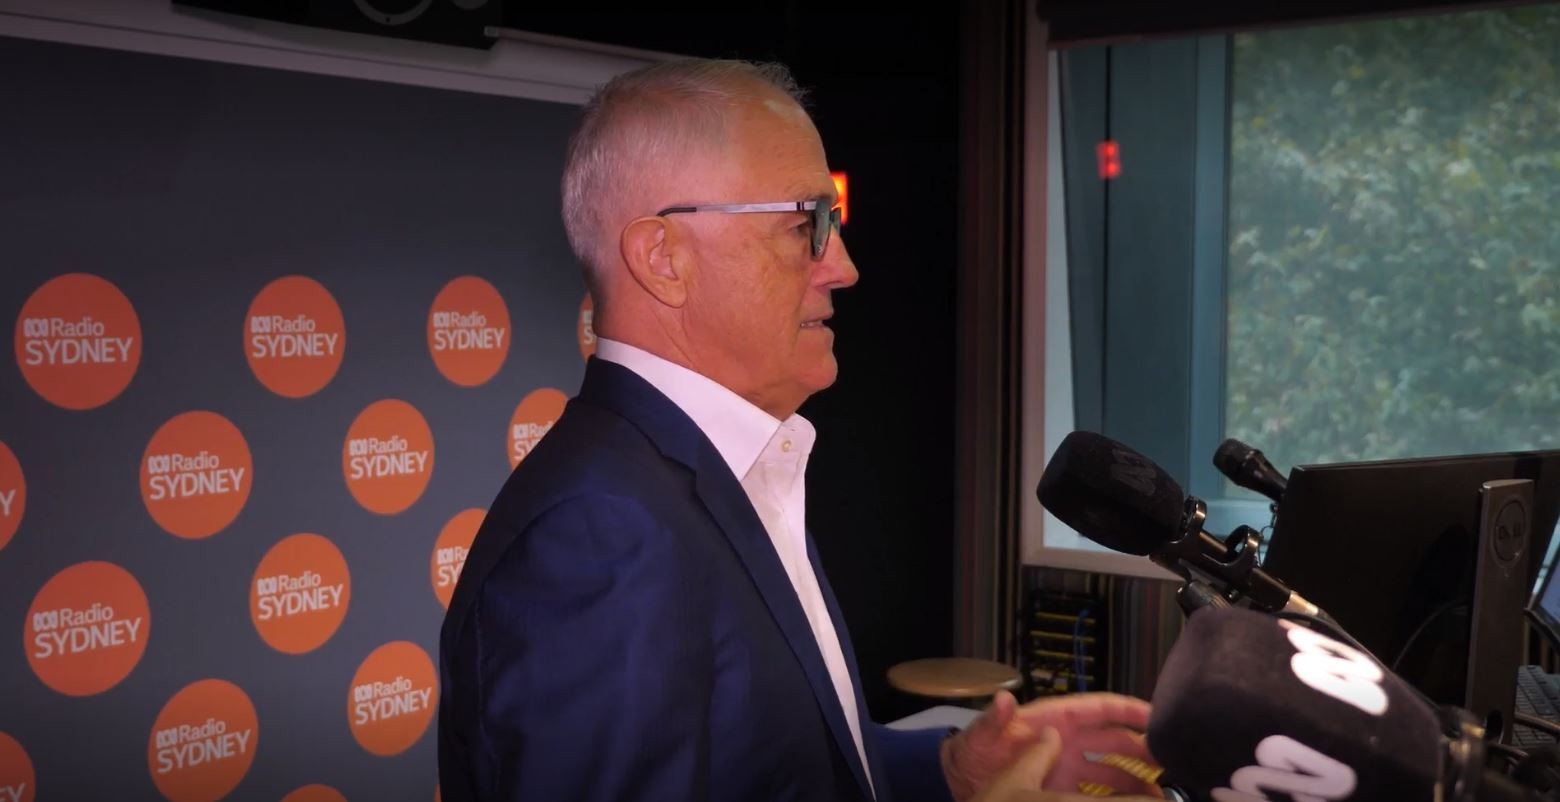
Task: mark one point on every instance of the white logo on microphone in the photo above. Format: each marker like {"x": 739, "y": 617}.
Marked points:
{"x": 1337, "y": 670}
{"x": 1286, "y": 766}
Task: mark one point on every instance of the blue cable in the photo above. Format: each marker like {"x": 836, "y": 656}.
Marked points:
{"x": 1083, "y": 684}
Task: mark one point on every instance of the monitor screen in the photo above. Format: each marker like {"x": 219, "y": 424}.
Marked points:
{"x": 1389, "y": 549}
{"x": 1546, "y": 605}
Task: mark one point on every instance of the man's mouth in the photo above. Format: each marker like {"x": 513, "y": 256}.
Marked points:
{"x": 817, "y": 322}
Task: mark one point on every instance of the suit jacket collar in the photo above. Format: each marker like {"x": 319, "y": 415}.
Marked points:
{"x": 676, "y": 436}
{"x": 673, "y": 433}
{"x": 737, "y": 428}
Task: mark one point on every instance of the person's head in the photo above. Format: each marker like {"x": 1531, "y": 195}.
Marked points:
{"x": 739, "y": 296}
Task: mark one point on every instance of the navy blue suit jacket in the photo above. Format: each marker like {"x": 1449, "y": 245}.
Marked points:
{"x": 623, "y": 629}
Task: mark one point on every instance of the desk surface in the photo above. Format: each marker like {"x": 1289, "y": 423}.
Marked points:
{"x": 939, "y": 716}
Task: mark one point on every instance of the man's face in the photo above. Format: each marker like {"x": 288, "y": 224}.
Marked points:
{"x": 758, "y": 300}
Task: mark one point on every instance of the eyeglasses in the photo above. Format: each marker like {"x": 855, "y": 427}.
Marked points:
{"x": 825, "y": 216}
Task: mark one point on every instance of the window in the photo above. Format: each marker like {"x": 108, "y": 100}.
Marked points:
{"x": 1335, "y": 243}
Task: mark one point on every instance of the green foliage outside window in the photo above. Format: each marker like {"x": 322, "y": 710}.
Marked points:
{"x": 1394, "y": 237}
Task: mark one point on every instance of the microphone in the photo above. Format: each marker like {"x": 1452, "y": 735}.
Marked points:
{"x": 1248, "y": 468}
{"x": 1249, "y": 708}
{"x": 1120, "y": 499}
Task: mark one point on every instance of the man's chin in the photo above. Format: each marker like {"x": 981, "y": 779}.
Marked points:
{"x": 823, "y": 376}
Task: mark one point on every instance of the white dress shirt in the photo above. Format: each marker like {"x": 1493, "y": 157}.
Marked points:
{"x": 769, "y": 457}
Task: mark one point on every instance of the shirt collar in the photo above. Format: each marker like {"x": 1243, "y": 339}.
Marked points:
{"x": 739, "y": 430}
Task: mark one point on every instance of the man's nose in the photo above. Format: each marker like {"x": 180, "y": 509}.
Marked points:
{"x": 836, "y": 269}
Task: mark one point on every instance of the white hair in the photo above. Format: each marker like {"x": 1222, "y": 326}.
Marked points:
{"x": 636, "y": 128}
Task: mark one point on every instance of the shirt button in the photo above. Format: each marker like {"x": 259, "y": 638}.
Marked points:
{"x": 785, "y": 445}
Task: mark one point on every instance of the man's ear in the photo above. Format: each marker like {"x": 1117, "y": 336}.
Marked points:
{"x": 649, "y": 246}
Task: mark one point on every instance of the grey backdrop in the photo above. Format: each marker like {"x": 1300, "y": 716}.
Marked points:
{"x": 191, "y": 185}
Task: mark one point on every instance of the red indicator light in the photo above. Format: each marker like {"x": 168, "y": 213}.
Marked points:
{"x": 840, "y": 187}
{"x": 1109, "y": 154}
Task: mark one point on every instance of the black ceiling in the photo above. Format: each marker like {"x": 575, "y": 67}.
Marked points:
{"x": 851, "y": 37}
{"x": 778, "y": 28}
{"x": 855, "y": 36}
{"x": 1086, "y": 21}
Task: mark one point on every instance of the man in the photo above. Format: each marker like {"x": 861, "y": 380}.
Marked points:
{"x": 642, "y": 615}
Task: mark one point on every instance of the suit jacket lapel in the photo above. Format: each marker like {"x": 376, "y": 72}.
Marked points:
{"x": 678, "y": 438}
{"x": 747, "y": 535}
{"x": 879, "y": 776}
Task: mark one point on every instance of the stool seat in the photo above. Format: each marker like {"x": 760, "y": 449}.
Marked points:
{"x": 953, "y": 677}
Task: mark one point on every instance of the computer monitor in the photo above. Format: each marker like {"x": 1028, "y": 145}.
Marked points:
{"x": 1547, "y": 566}
{"x": 1545, "y": 609}
{"x": 1389, "y": 548}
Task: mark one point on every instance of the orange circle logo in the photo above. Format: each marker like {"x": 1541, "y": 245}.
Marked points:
{"x": 294, "y": 336}
{"x": 468, "y": 331}
{"x": 533, "y": 419}
{"x": 392, "y": 698}
{"x": 17, "y": 780}
{"x": 388, "y": 456}
{"x": 13, "y": 495}
{"x": 196, "y": 474}
{"x": 449, "y": 552}
{"x": 203, "y": 742}
{"x": 584, "y": 331}
{"x": 299, "y": 593}
{"x": 86, "y": 629}
{"x": 78, "y": 341}
{"x": 315, "y": 793}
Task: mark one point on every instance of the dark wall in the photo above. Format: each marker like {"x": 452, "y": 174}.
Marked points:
{"x": 884, "y": 90}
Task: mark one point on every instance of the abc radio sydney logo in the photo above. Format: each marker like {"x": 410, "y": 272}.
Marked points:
{"x": 13, "y": 494}
{"x": 373, "y": 458}
{"x": 185, "y": 475}
{"x": 378, "y": 701}
{"x": 87, "y": 628}
{"x": 294, "y": 336}
{"x": 300, "y": 593}
{"x": 78, "y": 341}
{"x": 203, "y": 742}
{"x": 284, "y": 595}
{"x": 196, "y": 474}
{"x": 274, "y": 336}
{"x": 392, "y": 698}
{"x": 387, "y": 456}
{"x": 185, "y": 746}
{"x": 450, "y": 550}
{"x": 533, "y": 418}
{"x": 468, "y": 331}
{"x": 54, "y": 341}
{"x": 66, "y": 631}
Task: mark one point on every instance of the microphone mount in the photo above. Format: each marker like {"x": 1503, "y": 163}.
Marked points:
{"x": 1228, "y": 566}
{"x": 1466, "y": 774}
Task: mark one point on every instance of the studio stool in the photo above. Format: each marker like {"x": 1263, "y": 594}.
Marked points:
{"x": 961, "y": 678}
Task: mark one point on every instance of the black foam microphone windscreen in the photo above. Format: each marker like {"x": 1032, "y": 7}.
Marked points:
{"x": 1263, "y": 707}
{"x": 1249, "y": 468}
{"x": 1111, "y": 494}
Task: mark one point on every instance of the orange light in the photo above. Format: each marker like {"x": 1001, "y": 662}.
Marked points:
{"x": 840, "y": 187}
{"x": 1109, "y": 154}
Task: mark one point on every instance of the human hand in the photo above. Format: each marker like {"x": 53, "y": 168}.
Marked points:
{"x": 1090, "y": 722}
{"x": 1022, "y": 782}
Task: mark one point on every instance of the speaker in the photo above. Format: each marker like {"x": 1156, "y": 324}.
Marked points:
{"x": 452, "y": 22}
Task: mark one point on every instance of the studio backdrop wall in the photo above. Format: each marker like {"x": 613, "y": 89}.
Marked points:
{"x": 278, "y": 339}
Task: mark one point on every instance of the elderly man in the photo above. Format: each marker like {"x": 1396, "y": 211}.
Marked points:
{"x": 642, "y": 615}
